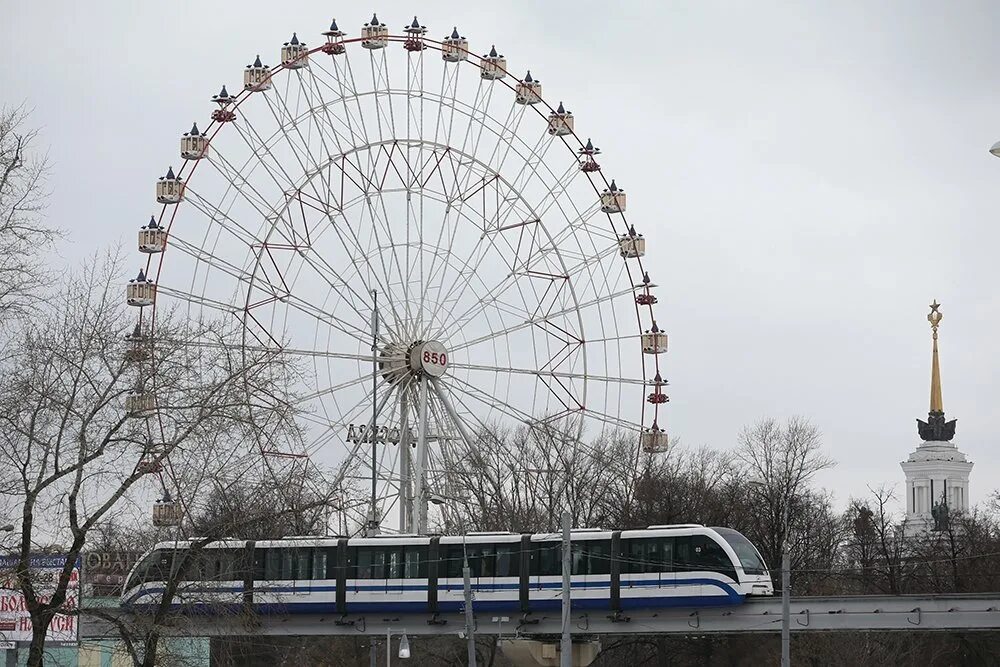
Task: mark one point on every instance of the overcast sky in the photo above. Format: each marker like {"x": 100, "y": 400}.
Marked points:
{"x": 809, "y": 178}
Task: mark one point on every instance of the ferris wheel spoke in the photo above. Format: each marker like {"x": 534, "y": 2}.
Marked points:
{"x": 259, "y": 149}
{"x": 253, "y": 197}
{"x": 220, "y": 306}
{"x": 484, "y": 94}
{"x": 241, "y": 314}
{"x": 514, "y": 279}
{"x": 507, "y": 137}
{"x": 541, "y": 320}
{"x": 222, "y": 219}
{"x": 341, "y": 284}
{"x": 535, "y": 159}
{"x": 303, "y": 156}
{"x": 585, "y": 261}
{"x": 347, "y": 120}
{"x": 291, "y": 128}
{"x": 471, "y": 391}
{"x": 319, "y": 115}
{"x": 360, "y": 335}
{"x": 464, "y": 277}
{"x": 353, "y": 250}
{"x": 585, "y": 224}
{"x": 531, "y": 270}
{"x": 444, "y": 121}
{"x": 333, "y": 389}
{"x": 380, "y": 84}
{"x": 200, "y": 254}
{"x": 584, "y": 377}
{"x": 268, "y": 349}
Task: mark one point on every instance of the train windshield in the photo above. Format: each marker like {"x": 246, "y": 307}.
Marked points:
{"x": 154, "y": 567}
{"x": 747, "y": 553}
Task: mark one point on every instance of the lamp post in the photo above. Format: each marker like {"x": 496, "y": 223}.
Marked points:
{"x": 786, "y": 577}
{"x": 995, "y": 149}
{"x": 404, "y": 648}
{"x": 786, "y": 593}
{"x": 470, "y": 622}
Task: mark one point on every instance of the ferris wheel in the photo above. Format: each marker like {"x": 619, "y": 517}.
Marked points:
{"x": 431, "y": 238}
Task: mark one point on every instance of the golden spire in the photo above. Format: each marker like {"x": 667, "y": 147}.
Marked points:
{"x": 935, "y": 317}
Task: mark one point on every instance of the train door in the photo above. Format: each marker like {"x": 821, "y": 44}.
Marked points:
{"x": 505, "y": 571}
{"x": 394, "y": 571}
{"x": 486, "y": 559}
{"x": 546, "y": 568}
{"x": 415, "y": 573}
{"x": 686, "y": 566}
{"x": 592, "y": 564}
{"x": 303, "y": 571}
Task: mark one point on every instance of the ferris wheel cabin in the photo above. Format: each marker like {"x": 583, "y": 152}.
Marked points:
{"x": 454, "y": 47}
{"x": 294, "y": 54}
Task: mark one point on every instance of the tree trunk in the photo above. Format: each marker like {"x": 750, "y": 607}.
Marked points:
{"x": 39, "y": 626}
{"x": 150, "y": 646}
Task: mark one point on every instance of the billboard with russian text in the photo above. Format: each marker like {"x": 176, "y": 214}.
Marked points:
{"x": 15, "y": 622}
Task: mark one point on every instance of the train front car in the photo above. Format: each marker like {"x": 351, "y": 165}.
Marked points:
{"x": 212, "y": 578}
{"x": 688, "y": 566}
{"x": 147, "y": 578}
{"x": 754, "y": 577}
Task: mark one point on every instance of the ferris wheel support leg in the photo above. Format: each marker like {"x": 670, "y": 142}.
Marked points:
{"x": 405, "y": 492}
{"x": 420, "y": 473}
{"x": 450, "y": 409}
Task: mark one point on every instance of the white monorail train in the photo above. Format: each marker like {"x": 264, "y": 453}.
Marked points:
{"x": 663, "y": 566}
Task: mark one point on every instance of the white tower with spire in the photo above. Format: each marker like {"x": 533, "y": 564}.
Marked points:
{"x": 937, "y": 473}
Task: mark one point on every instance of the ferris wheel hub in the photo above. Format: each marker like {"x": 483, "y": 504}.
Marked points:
{"x": 429, "y": 358}
{"x": 422, "y": 357}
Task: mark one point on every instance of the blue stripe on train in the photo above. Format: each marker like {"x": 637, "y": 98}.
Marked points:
{"x": 731, "y": 595}
{"x": 420, "y": 607}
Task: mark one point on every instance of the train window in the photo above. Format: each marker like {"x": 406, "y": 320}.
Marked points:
{"x": 651, "y": 555}
{"x": 156, "y": 566}
{"x": 259, "y": 563}
{"x": 453, "y": 554}
{"x": 287, "y": 563}
{"x": 546, "y": 559}
{"x": 272, "y": 564}
{"x": 750, "y": 559}
{"x": 191, "y": 566}
{"x": 319, "y": 564}
{"x": 486, "y": 556}
{"x": 508, "y": 559}
{"x": 475, "y": 560}
{"x": 415, "y": 562}
{"x": 303, "y": 563}
{"x": 578, "y": 559}
{"x": 485, "y": 560}
{"x": 370, "y": 563}
{"x": 332, "y": 563}
{"x": 598, "y": 556}
{"x": 222, "y": 565}
{"x": 684, "y": 560}
{"x": 394, "y": 563}
{"x": 700, "y": 552}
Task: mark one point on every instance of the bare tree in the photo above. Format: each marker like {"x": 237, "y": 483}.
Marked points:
{"x": 23, "y": 235}
{"x": 780, "y": 460}
{"x": 71, "y": 451}
{"x": 875, "y": 547}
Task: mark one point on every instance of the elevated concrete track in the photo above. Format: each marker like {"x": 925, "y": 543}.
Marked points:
{"x": 808, "y": 614}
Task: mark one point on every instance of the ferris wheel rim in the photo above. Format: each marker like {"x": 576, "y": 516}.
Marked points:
{"x": 215, "y": 127}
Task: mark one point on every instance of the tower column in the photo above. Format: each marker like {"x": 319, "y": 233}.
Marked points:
{"x": 937, "y": 473}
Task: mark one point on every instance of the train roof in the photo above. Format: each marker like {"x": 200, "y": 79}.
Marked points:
{"x": 578, "y": 534}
